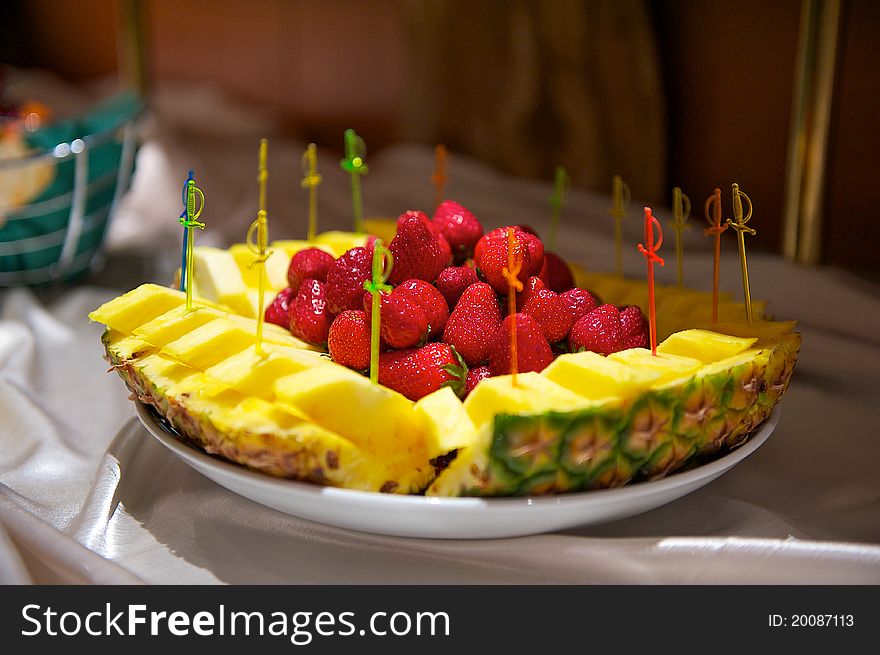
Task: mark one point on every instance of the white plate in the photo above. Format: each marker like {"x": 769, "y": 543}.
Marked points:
{"x": 450, "y": 518}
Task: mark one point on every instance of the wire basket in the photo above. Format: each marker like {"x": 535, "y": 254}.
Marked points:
{"x": 58, "y": 235}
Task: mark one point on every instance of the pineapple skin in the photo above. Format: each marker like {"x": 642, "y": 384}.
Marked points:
{"x": 656, "y": 433}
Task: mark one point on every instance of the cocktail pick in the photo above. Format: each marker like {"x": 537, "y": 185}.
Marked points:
{"x": 620, "y": 196}
{"x": 183, "y": 248}
{"x": 681, "y": 211}
{"x": 649, "y": 251}
{"x": 739, "y": 224}
{"x": 258, "y": 242}
{"x": 712, "y": 210}
{"x": 383, "y": 262}
{"x": 194, "y": 203}
{"x": 511, "y": 274}
{"x": 311, "y": 181}
{"x": 354, "y": 165}
{"x": 561, "y": 182}
{"x": 438, "y": 177}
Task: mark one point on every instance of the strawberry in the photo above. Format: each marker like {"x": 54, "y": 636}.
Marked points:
{"x": 556, "y": 273}
{"x": 536, "y": 251}
{"x": 311, "y": 263}
{"x": 552, "y": 313}
{"x": 279, "y": 311}
{"x": 346, "y": 277}
{"x": 416, "y": 372}
{"x": 634, "y": 329}
{"x": 309, "y": 316}
{"x": 473, "y": 378}
{"x": 402, "y": 322}
{"x": 580, "y": 301}
{"x": 453, "y": 280}
{"x": 490, "y": 256}
{"x": 598, "y": 331}
{"x": 473, "y": 323}
{"x": 525, "y": 227}
{"x": 460, "y": 227}
{"x": 417, "y": 253}
{"x": 533, "y": 284}
{"x": 432, "y": 301}
{"x": 349, "y": 340}
{"x": 533, "y": 353}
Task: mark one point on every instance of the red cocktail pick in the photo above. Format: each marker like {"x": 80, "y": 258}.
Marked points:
{"x": 649, "y": 251}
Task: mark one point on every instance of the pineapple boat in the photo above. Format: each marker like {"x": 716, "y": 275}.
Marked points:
{"x": 446, "y": 418}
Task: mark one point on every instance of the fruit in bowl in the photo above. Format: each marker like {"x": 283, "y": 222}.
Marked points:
{"x": 590, "y": 406}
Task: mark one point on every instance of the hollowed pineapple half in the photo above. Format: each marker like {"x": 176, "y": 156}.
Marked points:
{"x": 585, "y": 422}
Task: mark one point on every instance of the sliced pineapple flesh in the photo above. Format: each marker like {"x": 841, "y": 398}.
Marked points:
{"x": 586, "y": 421}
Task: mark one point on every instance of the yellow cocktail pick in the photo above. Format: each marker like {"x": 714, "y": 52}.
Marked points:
{"x": 193, "y": 206}
{"x": 620, "y": 196}
{"x": 439, "y": 175}
{"x": 258, "y": 242}
{"x": 681, "y": 211}
{"x": 311, "y": 181}
{"x": 561, "y": 182}
{"x": 739, "y": 224}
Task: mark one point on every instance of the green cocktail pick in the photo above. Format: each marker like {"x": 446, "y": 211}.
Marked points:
{"x": 354, "y": 165}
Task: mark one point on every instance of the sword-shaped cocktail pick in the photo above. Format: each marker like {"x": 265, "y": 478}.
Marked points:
{"x": 311, "y": 181}
{"x": 712, "y": 210}
{"x": 649, "y": 250}
{"x": 354, "y": 165}
{"x": 383, "y": 262}
{"x": 681, "y": 211}
{"x": 739, "y": 224}
{"x": 258, "y": 242}
{"x": 620, "y": 196}
{"x": 438, "y": 177}
{"x": 194, "y": 203}
{"x": 561, "y": 182}
{"x": 511, "y": 274}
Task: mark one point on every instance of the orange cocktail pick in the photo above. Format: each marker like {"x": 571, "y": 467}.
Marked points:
{"x": 712, "y": 210}
{"x": 649, "y": 250}
{"x": 439, "y": 175}
{"x": 511, "y": 274}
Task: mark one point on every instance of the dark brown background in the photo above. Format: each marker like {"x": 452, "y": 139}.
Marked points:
{"x": 690, "y": 93}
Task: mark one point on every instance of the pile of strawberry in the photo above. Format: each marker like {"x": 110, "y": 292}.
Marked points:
{"x": 445, "y": 323}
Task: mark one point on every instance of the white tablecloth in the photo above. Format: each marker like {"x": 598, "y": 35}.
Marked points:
{"x": 87, "y": 495}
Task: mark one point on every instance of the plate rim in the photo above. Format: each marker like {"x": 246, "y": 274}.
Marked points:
{"x": 717, "y": 467}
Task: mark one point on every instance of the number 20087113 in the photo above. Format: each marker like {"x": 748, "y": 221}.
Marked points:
{"x": 811, "y": 621}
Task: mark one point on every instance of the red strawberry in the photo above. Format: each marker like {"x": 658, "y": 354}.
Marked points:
{"x": 432, "y": 301}
{"x": 552, "y": 313}
{"x": 279, "y": 311}
{"x": 416, "y": 372}
{"x": 349, "y": 340}
{"x": 346, "y": 277}
{"x": 474, "y": 376}
{"x": 490, "y": 256}
{"x": 309, "y": 317}
{"x": 556, "y": 273}
{"x": 634, "y": 329}
{"x": 453, "y": 280}
{"x": 580, "y": 301}
{"x": 533, "y": 284}
{"x": 445, "y": 248}
{"x": 417, "y": 253}
{"x": 598, "y": 331}
{"x": 533, "y": 353}
{"x": 402, "y": 322}
{"x": 536, "y": 251}
{"x": 473, "y": 323}
{"x": 460, "y": 227}
{"x": 311, "y": 263}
